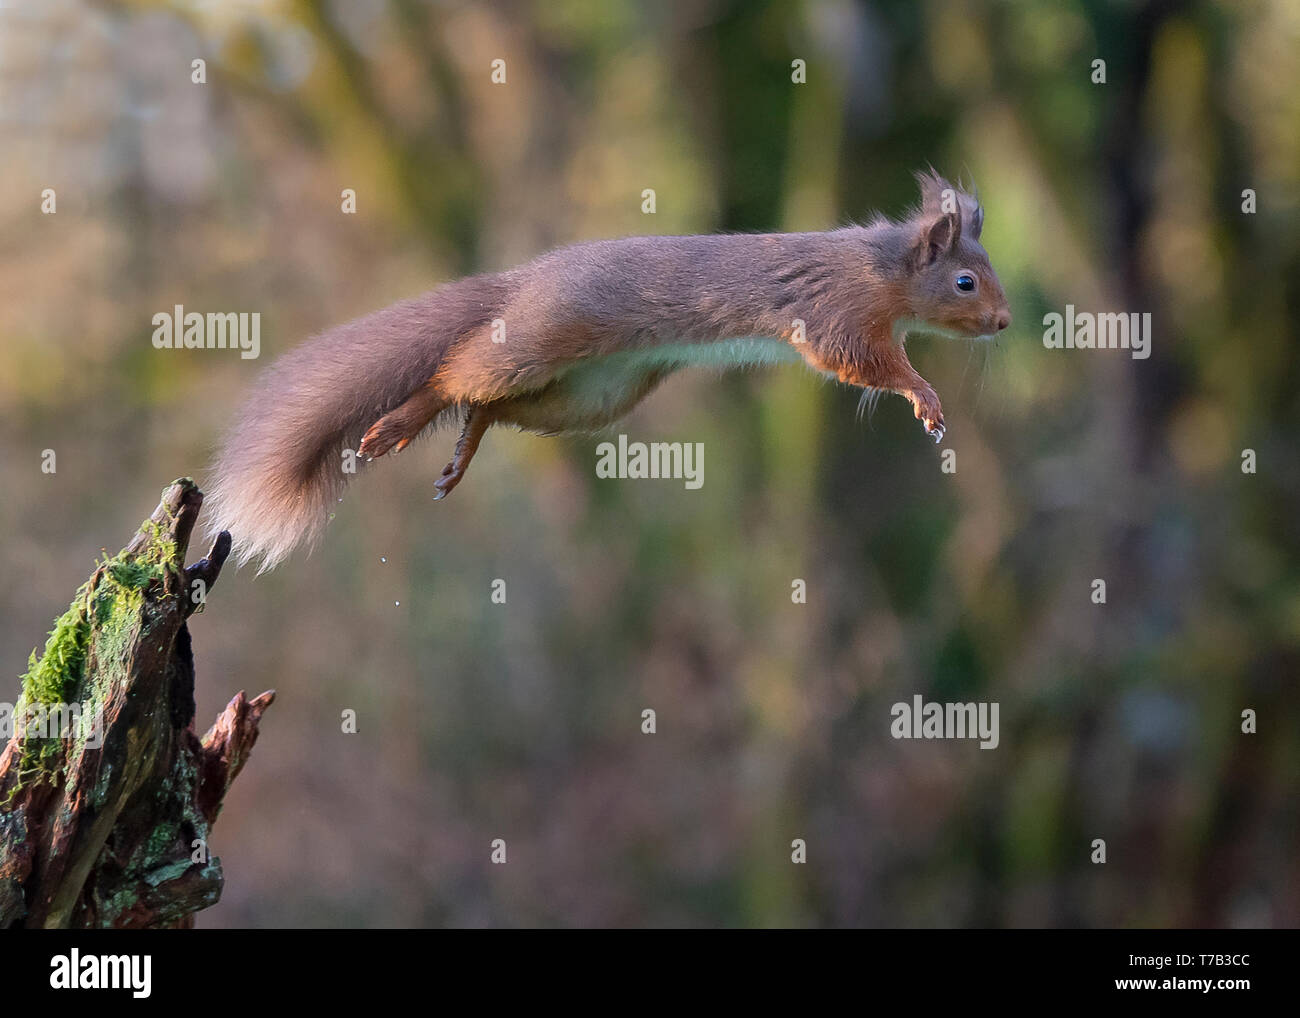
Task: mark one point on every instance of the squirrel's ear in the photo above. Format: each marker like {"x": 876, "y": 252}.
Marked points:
{"x": 939, "y": 235}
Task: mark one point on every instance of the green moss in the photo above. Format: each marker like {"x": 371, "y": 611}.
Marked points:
{"x": 114, "y": 606}
{"x": 56, "y": 675}
{"x": 106, "y": 611}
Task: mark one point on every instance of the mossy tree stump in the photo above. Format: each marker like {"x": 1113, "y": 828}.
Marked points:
{"x": 107, "y": 824}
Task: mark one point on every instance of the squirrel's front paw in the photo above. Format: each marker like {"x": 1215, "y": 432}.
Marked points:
{"x": 929, "y": 413}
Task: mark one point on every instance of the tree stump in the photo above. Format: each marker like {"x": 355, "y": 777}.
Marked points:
{"x": 107, "y": 795}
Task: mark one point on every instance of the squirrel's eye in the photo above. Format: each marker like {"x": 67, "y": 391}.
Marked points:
{"x": 966, "y": 283}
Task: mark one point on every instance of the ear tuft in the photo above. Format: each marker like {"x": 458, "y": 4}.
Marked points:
{"x": 932, "y": 187}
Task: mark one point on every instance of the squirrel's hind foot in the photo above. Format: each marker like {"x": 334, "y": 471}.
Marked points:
{"x": 477, "y": 421}
{"x": 397, "y": 429}
{"x": 385, "y": 435}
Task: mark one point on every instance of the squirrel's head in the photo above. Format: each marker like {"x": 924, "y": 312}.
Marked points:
{"x": 952, "y": 287}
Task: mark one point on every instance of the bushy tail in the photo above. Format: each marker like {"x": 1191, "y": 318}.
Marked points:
{"x": 280, "y": 468}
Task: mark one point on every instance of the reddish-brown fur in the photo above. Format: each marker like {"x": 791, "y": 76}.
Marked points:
{"x": 634, "y": 304}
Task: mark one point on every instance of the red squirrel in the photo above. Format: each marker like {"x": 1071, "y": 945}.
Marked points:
{"x": 574, "y": 339}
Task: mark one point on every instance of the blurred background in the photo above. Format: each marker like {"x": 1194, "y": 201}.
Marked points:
{"x": 522, "y": 721}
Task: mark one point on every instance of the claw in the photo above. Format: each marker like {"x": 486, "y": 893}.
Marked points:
{"x": 449, "y": 479}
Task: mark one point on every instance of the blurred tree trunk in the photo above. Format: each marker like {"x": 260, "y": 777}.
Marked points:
{"x": 107, "y": 825}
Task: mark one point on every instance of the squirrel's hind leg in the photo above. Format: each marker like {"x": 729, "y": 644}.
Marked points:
{"x": 396, "y": 429}
{"x": 477, "y": 421}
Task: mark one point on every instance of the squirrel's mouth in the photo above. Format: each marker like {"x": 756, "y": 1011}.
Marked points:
{"x": 975, "y": 333}
{"x": 975, "y": 329}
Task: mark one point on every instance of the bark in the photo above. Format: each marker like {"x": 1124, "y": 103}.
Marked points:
{"x": 108, "y": 826}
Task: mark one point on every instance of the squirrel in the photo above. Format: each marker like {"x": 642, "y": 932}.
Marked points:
{"x": 574, "y": 339}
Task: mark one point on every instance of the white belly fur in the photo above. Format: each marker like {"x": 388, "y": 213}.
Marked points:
{"x": 600, "y": 376}
{"x": 594, "y": 392}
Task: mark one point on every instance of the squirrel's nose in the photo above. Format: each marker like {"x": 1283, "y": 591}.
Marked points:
{"x": 1004, "y": 320}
